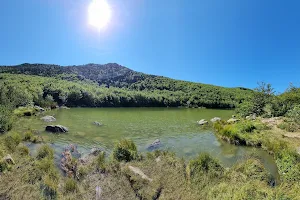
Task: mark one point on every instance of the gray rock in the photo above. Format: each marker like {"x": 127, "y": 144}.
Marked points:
{"x": 154, "y": 144}
{"x": 9, "y": 160}
{"x": 215, "y": 119}
{"x": 38, "y": 108}
{"x": 202, "y": 122}
{"x": 232, "y": 120}
{"x": 48, "y": 119}
{"x": 138, "y": 171}
{"x": 57, "y": 129}
{"x": 251, "y": 117}
{"x": 97, "y": 123}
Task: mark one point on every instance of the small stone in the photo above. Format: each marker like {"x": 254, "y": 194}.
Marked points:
{"x": 215, "y": 119}
{"x": 48, "y": 119}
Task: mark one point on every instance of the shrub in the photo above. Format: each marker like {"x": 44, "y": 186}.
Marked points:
{"x": 6, "y": 118}
{"x": 45, "y": 165}
{"x": 294, "y": 114}
{"x": 50, "y": 183}
{"x": 253, "y": 169}
{"x": 81, "y": 172}
{"x": 28, "y": 135}
{"x": 100, "y": 161}
{"x": 70, "y": 185}
{"x": 204, "y": 164}
{"x": 12, "y": 141}
{"x": 45, "y": 151}
{"x": 125, "y": 150}
{"x": 4, "y": 166}
{"x": 23, "y": 150}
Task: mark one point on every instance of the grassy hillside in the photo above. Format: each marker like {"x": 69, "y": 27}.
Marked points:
{"x": 114, "y": 85}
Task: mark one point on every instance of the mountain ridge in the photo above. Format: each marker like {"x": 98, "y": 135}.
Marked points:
{"x": 109, "y": 72}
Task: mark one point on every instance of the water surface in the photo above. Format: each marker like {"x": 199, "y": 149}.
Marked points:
{"x": 175, "y": 128}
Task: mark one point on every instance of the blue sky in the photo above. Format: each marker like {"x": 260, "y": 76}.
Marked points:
{"x": 229, "y": 43}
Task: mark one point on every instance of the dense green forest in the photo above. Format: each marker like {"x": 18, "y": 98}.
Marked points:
{"x": 111, "y": 85}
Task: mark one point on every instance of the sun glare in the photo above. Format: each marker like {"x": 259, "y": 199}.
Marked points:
{"x": 99, "y": 14}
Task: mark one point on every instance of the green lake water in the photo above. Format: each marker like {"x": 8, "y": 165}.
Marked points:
{"x": 176, "y": 128}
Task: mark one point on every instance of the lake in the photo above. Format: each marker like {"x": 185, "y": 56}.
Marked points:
{"x": 176, "y": 128}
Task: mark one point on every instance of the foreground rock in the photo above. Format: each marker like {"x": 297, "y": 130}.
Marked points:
{"x": 202, "y": 122}
{"x": 56, "y": 129}
{"x": 97, "y": 123}
{"x": 232, "y": 120}
{"x": 139, "y": 172}
{"x": 215, "y": 119}
{"x": 48, "y": 119}
{"x": 154, "y": 145}
{"x": 9, "y": 160}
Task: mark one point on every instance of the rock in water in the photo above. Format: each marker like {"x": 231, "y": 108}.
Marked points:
{"x": 215, "y": 119}
{"x": 48, "y": 119}
{"x": 154, "y": 144}
{"x": 202, "y": 122}
{"x": 97, "y": 123}
{"x": 95, "y": 151}
{"x": 57, "y": 129}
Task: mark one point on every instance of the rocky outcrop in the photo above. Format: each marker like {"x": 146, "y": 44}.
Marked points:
{"x": 202, "y": 122}
{"x": 215, "y": 119}
{"x": 154, "y": 145}
{"x": 48, "y": 119}
{"x": 56, "y": 129}
{"x": 97, "y": 123}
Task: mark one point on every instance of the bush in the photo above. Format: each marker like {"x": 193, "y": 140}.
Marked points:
{"x": 204, "y": 164}
{"x": 125, "y": 150}
{"x": 45, "y": 151}
{"x": 100, "y": 161}
{"x": 12, "y": 141}
{"x": 6, "y": 118}
{"x": 28, "y": 135}
{"x": 70, "y": 185}
{"x": 50, "y": 183}
{"x": 294, "y": 114}
{"x": 253, "y": 169}
{"x": 23, "y": 150}
{"x": 81, "y": 172}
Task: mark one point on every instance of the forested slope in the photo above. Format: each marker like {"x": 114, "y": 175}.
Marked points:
{"x": 112, "y": 85}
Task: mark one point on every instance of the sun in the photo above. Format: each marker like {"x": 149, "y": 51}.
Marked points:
{"x": 99, "y": 14}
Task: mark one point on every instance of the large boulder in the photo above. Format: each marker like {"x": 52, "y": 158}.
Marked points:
{"x": 57, "y": 129}
{"x": 202, "y": 122}
{"x": 215, "y": 119}
{"x": 48, "y": 119}
{"x": 154, "y": 145}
